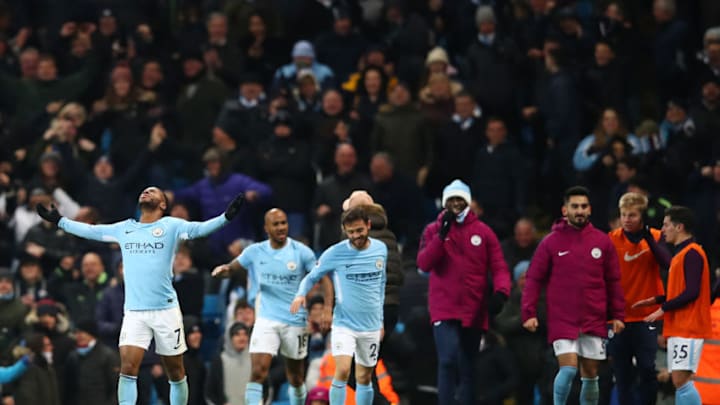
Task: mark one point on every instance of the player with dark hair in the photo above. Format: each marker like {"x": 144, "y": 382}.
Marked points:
{"x": 358, "y": 266}
{"x": 578, "y": 266}
{"x": 685, "y": 308}
{"x": 151, "y": 305}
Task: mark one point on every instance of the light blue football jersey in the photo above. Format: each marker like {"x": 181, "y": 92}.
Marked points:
{"x": 275, "y": 275}
{"x": 148, "y": 251}
{"x": 359, "y": 280}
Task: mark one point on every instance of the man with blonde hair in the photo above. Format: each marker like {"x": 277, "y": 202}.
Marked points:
{"x": 637, "y": 249}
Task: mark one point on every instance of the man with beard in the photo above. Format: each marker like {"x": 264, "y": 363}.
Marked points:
{"x": 275, "y": 268}
{"x": 578, "y": 265}
{"x": 151, "y": 305}
{"x": 358, "y": 264}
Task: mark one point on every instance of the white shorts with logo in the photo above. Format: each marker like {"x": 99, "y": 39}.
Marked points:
{"x": 165, "y": 325}
{"x": 587, "y": 346}
{"x": 268, "y": 336}
{"x": 683, "y": 353}
{"x": 364, "y": 345}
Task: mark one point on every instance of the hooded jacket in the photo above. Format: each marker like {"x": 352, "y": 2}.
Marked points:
{"x": 379, "y": 230}
{"x": 580, "y": 269}
{"x": 459, "y": 267}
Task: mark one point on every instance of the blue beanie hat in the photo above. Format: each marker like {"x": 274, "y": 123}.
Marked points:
{"x": 456, "y": 189}
{"x": 520, "y": 269}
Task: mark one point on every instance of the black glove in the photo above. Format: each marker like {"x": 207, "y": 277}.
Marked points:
{"x": 50, "y": 215}
{"x": 495, "y": 305}
{"x": 234, "y": 207}
{"x": 447, "y": 219}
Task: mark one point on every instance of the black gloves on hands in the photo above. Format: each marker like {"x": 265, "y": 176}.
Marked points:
{"x": 234, "y": 207}
{"x": 51, "y": 215}
{"x": 447, "y": 219}
{"x": 496, "y": 302}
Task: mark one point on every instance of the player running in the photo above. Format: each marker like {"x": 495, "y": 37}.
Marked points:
{"x": 151, "y": 305}
{"x": 275, "y": 268}
{"x": 358, "y": 267}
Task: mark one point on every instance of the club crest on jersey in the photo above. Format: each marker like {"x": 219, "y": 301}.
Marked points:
{"x": 158, "y": 232}
{"x": 379, "y": 264}
{"x": 596, "y": 253}
{"x": 291, "y": 265}
{"x": 476, "y": 240}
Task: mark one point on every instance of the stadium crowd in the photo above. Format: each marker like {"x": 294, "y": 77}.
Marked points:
{"x": 298, "y": 103}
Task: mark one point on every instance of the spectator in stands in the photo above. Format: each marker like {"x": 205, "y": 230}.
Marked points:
{"x": 709, "y": 58}
{"x": 221, "y": 55}
{"x": 706, "y": 116}
{"x": 456, "y": 144}
{"x": 109, "y": 310}
{"x": 199, "y": 101}
{"x": 678, "y": 132}
{"x": 12, "y": 314}
{"x": 193, "y": 361}
{"x": 521, "y": 246}
{"x": 284, "y": 164}
{"x": 31, "y": 285}
{"x": 188, "y": 282}
{"x": 408, "y": 39}
{"x": 48, "y": 245}
{"x": 82, "y": 297}
{"x": 330, "y": 194}
{"x": 398, "y": 195}
{"x": 492, "y": 59}
{"x": 595, "y": 159}
{"x": 498, "y": 179}
{"x": 92, "y": 369}
{"x": 303, "y": 54}
{"x": 528, "y": 348}
{"x": 263, "y": 52}
{"x": 48, "y": 319}
{"x": 604, "y": 83}
{"x": 671, "y": 56}
{"x": 402, "y": 131}
{"x": 437, "y": 100}
{"x": 212, "y": 193}
{"x": 341, "y": 48}
{"x": 242, "y": 123}
{"x": 39, "y": 384}
{"x": 375, "y": 56}
{"x": 230, "y": 370}
{"x": 329, "y": 128}
{"x": 370, "y": 96}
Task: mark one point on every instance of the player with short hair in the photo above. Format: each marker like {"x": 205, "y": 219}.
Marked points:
{"x": 637, "y": 246}
{"x": 151, "y": 305}
{"x": 578, "y": 266}
{"x": 275, "y": 268}
{"x": 686, "y": 306}
{"x": 358, "y": 273}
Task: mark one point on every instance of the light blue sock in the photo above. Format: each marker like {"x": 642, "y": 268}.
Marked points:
{"x": 297, "y": 395}
{"x": 337, "y": 392}
{"x": 687, "y": 395}
{"x": 563, "y": 384}
{"x": 590, "y": 391}
{"x": 127, "y": 390}
{"x": 179, "y": 392}
{"x": 253, "y": 394}
{"x": 364, "y": 394}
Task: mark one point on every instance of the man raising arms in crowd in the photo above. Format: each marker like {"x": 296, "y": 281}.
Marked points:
{"x": 151, "y": 305}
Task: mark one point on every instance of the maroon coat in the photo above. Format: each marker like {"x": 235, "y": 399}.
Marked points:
{"x": 459, "y": 268}
{"x": 580, "y": 269}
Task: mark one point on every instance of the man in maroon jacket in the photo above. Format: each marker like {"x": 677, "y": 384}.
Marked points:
{"x": 460, "y": 252}
{"x": 578, "y": 265}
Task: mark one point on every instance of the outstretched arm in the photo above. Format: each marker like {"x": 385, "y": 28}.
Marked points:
{"x": 193, "y": 230}
{"x": 101, "y": 233}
